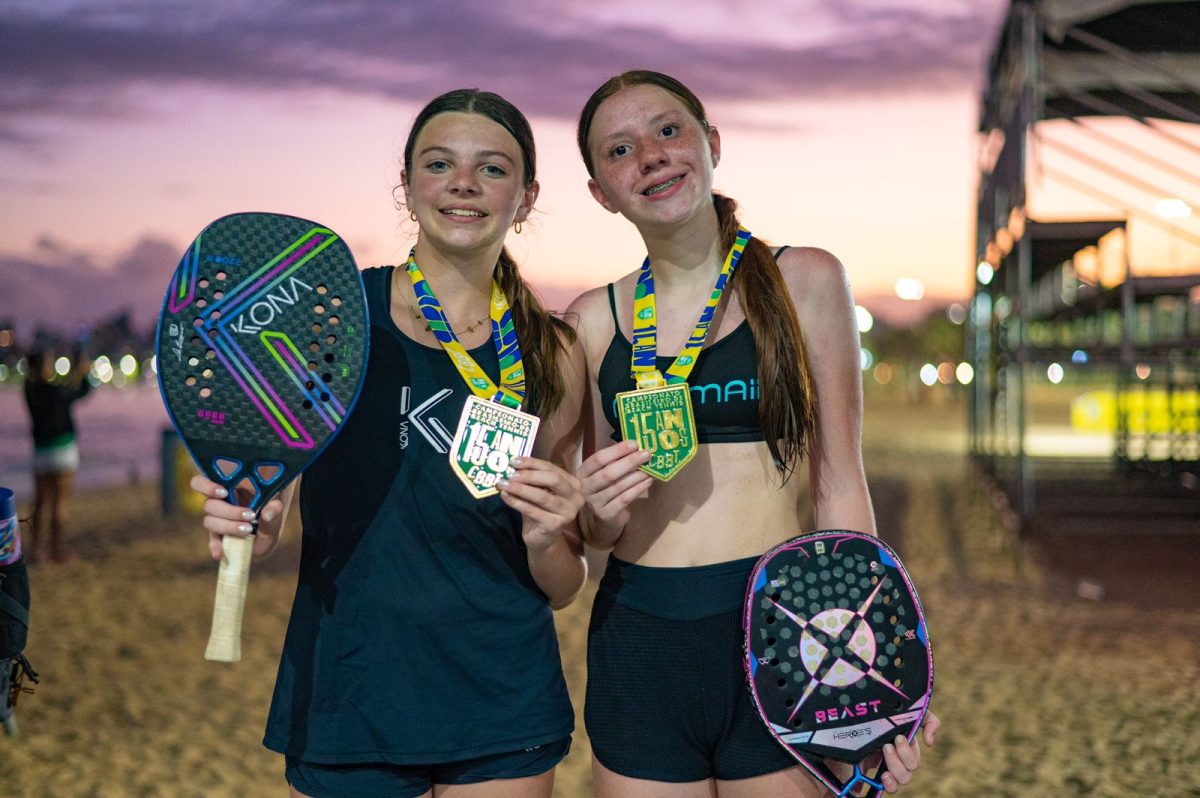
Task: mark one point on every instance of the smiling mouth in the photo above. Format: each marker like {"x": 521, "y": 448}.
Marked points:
{"x": 465, "y": 213}
{"x": 661, "y": 187}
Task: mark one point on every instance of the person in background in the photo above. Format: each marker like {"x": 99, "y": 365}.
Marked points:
{"x": 55, "y": 451}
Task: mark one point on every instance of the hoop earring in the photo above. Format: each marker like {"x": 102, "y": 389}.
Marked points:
{"x": 412, "y": 215}
{"x": 517, "y": 228}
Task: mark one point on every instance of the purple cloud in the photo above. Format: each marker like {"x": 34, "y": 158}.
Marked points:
{"x": 99, "y": 58}
{"x": 62, "y": 289}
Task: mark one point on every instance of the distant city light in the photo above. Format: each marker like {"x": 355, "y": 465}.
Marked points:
{"x": 3, "y": 372}
{"x": 945, "y": 372}
{"x": 1004, "y": 240}
{"x": 1054, "y": 373}
{"x": 1172, "y": 208}
{"x": 865, "y": 320}
{"x": 984, "y": 272}
{"x": 22, "y": 367}
{"x": 102, "y": 368}
{"x": 6, "y": 338}
{"x": 929, "y": 374}
{"x": 965, "y": 373}
{"x": 883, "y": 373}
{"x": 1142, "y": 370}
{"x": 981, "y": 309}
{"x": 62, "y": 366}
{"x": 1079, "y": 356}
{"x": 910, "y": 288}
{"x": 956, "y": 313}
{"x": 128, "y": 365}
{"x": 865, "y": 358}
{"x": 154, "y": 364}
{"x": 1003, "y": 307}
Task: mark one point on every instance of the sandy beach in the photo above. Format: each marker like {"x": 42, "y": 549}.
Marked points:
{"x": 1041, "y": 693}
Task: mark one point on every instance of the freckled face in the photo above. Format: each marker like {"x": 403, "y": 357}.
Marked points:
{"x": 467, "y": 182}
{"x": 653, "y": 160}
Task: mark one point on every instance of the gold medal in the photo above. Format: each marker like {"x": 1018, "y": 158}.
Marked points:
{"x": 660, "y": 420}
{"x": 489, "y": 436}
{"x": 658, "y": 414}
{"x": 492, "y": 430}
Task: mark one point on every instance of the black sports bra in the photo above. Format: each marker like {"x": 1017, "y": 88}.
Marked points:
{"x": 724, "y": 384}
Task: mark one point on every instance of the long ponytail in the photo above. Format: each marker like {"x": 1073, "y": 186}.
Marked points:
{"x": 787, "y": 404}
{"x": 541, "y": 334}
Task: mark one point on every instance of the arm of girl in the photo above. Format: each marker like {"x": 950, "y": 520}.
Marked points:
{"x": 821, "y": 294}
{"x": 549, "y": 496}
{"x": 838, "y": 483}
{"x": 609, "y": 476}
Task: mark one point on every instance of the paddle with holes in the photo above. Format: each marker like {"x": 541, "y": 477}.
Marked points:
{"x": 261, "y": 352}
{"x": 836, "y": 652}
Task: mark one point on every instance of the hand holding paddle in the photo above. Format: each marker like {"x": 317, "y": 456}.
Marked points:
{"x": 261, "y": 353}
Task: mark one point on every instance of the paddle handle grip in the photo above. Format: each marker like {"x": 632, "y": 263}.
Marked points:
{"x": 225, "y": 640}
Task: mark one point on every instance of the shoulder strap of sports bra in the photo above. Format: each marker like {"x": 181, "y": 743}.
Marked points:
{"x": 779, "y": 251}
{"x": 612, "y": 304}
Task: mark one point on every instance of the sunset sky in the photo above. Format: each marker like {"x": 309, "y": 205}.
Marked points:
{"x": 127, "y": 125}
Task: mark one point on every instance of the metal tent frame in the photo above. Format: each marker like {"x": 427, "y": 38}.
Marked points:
{"x": 1075, "y": 60}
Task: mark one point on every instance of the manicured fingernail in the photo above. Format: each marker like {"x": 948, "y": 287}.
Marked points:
{"x": 220, "y": 493}
{"x": 268, "y": 515}
{"x": 245, "y": 528}
{"x": 518, "y": 461}
{"x": 644, "y": 455}
{"x": 247, "y": 515}
{"x": 503, "y": 483}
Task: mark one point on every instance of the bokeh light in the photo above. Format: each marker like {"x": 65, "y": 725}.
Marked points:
{"x": 865, "y": 320}
{"x": 910, "y": 288}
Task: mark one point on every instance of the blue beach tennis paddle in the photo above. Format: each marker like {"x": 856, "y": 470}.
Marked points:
{"x": 262, "y": 350}
{"x": 837, "y": 652}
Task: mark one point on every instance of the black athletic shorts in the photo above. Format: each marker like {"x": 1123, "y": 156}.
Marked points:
{"x": 383, "y": 780}
{"x": 666, "y": 695}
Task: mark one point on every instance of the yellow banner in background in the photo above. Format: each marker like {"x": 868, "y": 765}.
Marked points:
{"x": 1150, "y": 412}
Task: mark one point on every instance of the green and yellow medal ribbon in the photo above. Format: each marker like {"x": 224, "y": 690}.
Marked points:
{"x": 645, "y": 327}
{"x": 511, "y": 391}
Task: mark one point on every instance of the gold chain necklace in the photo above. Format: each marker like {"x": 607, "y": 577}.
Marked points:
{"x": 421, "y": 318}
{"x": 418, "y": 316}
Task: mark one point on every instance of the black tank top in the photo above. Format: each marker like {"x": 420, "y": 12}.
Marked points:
{"x": 418, "y": 633}
{"x": 724, "y": 384}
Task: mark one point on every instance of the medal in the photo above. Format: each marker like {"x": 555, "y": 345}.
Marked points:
{"x": 658, "y": 414}
{"x": 489, "y": 436}
{"x": 492, "y": 430}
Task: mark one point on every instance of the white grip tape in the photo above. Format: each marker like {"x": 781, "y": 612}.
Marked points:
{"x": 225, "y": 641}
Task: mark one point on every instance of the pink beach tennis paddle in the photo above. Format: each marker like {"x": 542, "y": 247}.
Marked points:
{"x": 837, "y": 652}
